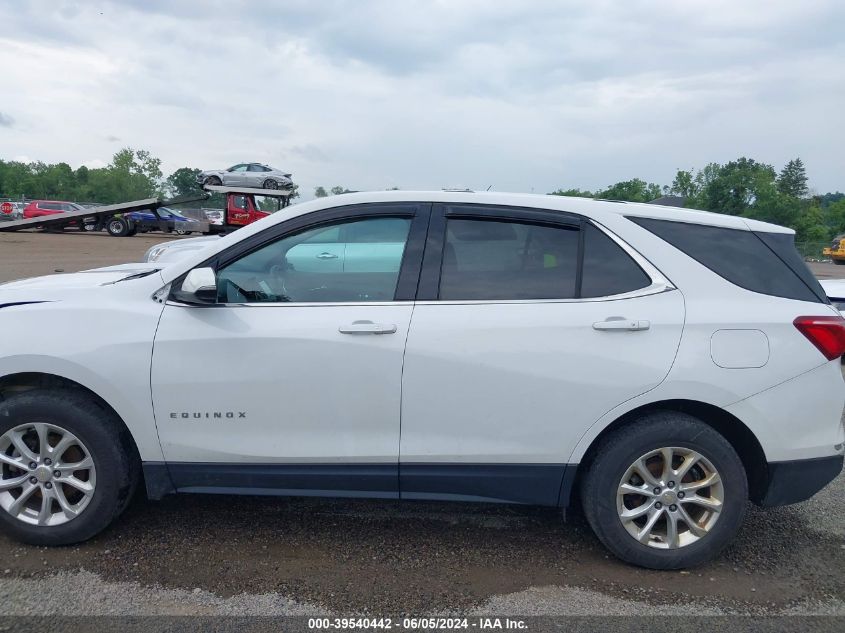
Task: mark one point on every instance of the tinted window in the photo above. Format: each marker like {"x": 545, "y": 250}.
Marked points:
{"x": 495, "y": 260}
{"x": 608, "y": 270}
{"x": 783, "y": 244}
{"x": 256, "y": 168}
{"x": 304, "y": 267}
{"x": 739, "y": 256}
{"x": 51, "y": 206}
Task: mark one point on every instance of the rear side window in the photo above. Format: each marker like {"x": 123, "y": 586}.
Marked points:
{"x": 494, "y": 260}
{"x": 608, "y": 270}
{"x": 501, "y": 260}
{"x": 744, "y": 258}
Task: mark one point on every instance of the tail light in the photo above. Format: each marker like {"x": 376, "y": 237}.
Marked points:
{"x": 827, "y": 333}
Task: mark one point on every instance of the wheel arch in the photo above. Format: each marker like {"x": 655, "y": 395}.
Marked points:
{"x": 734, "y": 430}
{"x": 26, "y": 381}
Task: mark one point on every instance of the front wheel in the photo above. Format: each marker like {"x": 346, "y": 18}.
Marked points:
{"x": 67, "y": 467}
{"x": 270, "y": 184}
{"x": 665, "y": 492}
{"x": 839, "y": 262}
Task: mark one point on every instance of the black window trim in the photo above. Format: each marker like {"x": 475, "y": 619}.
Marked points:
{"x": 409, "y": 271}
{"x": 429, "y": 283}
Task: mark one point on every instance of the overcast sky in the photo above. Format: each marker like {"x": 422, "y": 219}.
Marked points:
{"x": 520, "y": 95}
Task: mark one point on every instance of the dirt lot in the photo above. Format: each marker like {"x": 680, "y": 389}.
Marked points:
{"x": 28, "y": 254}
{"x": 227, "y": 555}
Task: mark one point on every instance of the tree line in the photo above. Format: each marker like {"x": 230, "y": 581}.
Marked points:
{"x": 743, "y": 187}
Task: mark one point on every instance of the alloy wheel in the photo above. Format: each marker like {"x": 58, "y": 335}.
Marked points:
{"x": 670, "y": 497}
{"x": 47, "y": 475}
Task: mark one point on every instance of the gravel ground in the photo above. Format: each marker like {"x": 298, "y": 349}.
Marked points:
{"x": 241, "y": 556}
{"x": 206, "y": 555}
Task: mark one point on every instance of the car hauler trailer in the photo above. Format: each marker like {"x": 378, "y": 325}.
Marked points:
{"x": 104, "y": 213}
{"x": 241, "y": 208}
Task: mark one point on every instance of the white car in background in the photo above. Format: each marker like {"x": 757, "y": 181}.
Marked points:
{"x": 174, "y": 250}
{"x": 255, "y": 175}
{"x": 835, "y": 291}
{"x": 659, "y": 366}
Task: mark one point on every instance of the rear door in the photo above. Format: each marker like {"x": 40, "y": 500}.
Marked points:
{"x": 529, "y": 326}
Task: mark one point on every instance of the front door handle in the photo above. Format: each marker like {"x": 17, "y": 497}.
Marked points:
{"x": 326, "y": 256}
{"x": 621, "y": 323}
{"x": 367, "y": 327}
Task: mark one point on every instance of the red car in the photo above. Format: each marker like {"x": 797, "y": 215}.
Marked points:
{"x": 40, "y": 208}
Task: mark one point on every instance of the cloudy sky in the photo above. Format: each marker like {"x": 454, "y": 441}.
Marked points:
{"x": 522, "y": 95}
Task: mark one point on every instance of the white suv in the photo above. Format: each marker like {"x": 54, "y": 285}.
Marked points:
{"x": 659, "y": 366}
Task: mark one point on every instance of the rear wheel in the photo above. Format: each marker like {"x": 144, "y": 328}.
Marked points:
{"x": 119, "y": 227}
{"x": 665, "y": 492}
{"x": 67, "y": 468}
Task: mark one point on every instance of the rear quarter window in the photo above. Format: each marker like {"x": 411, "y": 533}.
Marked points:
{"x": 766, "y": 263}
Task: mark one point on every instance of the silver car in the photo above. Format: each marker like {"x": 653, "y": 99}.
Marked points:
{"x": 247, "y": 175}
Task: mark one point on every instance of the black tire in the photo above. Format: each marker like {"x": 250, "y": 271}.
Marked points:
{"x": 107, "y": 440}
{"x": 622, "y": 448}
{"x": 839, "y": 262}
{"x": 118, "y": 227}
{"x": 270, "y": 184}
{"x": 213, "y": 180}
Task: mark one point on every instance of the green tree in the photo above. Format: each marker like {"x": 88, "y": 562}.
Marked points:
{"x": 834, "y": 216}
{"x": 733, "y": 187}
{"x": 770, "y": 205}
{"x": 635, "y": 190}
{"x": 574, "y": 193}
{"x": 320, "y": 192}
{"x": 685, "y": 184}
{"x": 792, "y": 180}
{"x": 337, "y": 190}
{"x": 183, "y": 182}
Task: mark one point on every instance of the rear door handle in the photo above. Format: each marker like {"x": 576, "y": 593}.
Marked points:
{"x": 326, "y": 256}
{"x": 621, "y": 323}
{"x": 367, "y": 327}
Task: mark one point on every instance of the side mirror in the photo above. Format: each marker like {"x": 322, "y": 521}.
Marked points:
{"x": 199, "y": 286}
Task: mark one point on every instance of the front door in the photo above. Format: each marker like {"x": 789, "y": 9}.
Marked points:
{"x": 530, "y": 327}
{"x": 292, "y": 382}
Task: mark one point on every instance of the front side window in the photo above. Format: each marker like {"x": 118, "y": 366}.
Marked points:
{"x": 313, "y": 266}
{"x": 501, "y": 260}
{"x": 238, "y": 168}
